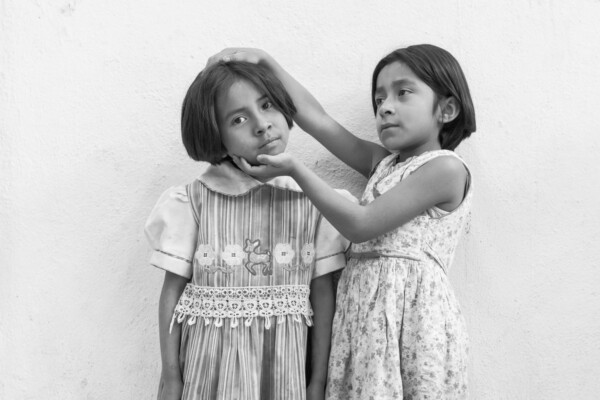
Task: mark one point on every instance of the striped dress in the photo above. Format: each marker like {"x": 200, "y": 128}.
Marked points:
{"x": 250, "y": 250}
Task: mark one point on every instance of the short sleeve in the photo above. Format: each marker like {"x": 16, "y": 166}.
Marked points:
{"x": 330, "y": 245}
{"x": 172, "y": 231}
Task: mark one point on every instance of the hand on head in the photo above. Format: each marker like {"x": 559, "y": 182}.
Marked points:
{"x": 254, "y": 56}
{"x": 271, "y": 166}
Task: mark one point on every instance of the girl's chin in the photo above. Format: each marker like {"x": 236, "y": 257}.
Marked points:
{"x": 272, "y": 152}
{"x": 252, "y": 160}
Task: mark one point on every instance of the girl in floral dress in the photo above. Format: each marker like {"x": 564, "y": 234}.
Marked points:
{"x": 243, "y": 257}
{"x": 398, "y": 331}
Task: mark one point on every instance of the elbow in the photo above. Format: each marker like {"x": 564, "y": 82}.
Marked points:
{"x": 355, "y": 229}
{"x": 358, "y": 238}
{"x": 358, "y": 233}
{"x": 362, "y": 228}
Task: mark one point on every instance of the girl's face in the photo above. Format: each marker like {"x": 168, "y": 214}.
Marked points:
{"x": 249, "y": 123}
{"x": 406, "y": 120}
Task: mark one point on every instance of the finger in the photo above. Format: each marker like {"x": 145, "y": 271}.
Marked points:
{"x": 264, "y": 159}
{"x": 236, "y": 160}
{"x": 234, "y": 55}
{"x": 245, "y": 164}
{"x": 242, "y": 163}
{"x": 217, "y": 57}
{"x": 214, "y": 58}
{"x": 240, "y": 55}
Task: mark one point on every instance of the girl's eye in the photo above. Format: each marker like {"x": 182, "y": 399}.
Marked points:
{"x": 238, "y": 120}
{"x": 403, "y": 92}
{"x": 378, "y": 102}
{"x": 267, "y": 105}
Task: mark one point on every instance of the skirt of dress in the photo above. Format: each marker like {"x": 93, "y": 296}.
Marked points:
{"x": 398, "y": 333}
{"x": 244, "y": 362}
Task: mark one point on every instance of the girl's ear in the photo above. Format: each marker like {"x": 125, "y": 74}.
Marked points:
{"x": 449, "y": 110}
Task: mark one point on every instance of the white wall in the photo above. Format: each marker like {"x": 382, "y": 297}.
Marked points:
{"x": 90, "y": 96}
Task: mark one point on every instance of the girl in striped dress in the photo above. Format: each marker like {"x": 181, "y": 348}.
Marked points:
{"x": 244, "y": 258}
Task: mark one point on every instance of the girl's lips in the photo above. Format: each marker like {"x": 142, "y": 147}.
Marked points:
{"x": 385, "y": 126}
{"x": 268, "y": 142}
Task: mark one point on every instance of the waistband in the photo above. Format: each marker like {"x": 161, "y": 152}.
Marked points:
{"x": 428, "y": 254}
{"x": 376, "y": 254}
{"x": 213, "y": 304}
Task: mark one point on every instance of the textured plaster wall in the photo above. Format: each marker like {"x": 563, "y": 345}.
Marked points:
{"x": 90, "y": 95}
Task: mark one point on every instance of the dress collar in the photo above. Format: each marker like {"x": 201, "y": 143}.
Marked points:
{"x": 227, "y": 179}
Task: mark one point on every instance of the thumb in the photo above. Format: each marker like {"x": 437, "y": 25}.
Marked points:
{"x": 265, "y": 159}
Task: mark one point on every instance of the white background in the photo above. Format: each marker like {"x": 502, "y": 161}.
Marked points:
{"x": 90, "y": 95}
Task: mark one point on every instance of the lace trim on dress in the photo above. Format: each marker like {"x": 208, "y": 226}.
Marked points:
{"x": 212, "y": 304}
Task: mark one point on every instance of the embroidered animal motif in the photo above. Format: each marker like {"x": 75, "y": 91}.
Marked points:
{"x": 256, "y": 258}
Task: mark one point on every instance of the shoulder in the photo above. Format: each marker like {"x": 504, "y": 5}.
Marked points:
{"x": 173, "y": 204}
{"x": 444, "y": 171}
{"x": 171, "y": 231}
{"x": 178, "y": 192}
{"x": 446, "y": 165}
{"x": 443, "y": 164}
{"x": 446, "y": 177}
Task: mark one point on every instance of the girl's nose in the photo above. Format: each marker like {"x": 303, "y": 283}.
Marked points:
{"x": 262, "y": 126}
{"x": 385, "y": 108}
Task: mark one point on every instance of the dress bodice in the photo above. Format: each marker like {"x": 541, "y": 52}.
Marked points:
{"x": 434, "y": 234}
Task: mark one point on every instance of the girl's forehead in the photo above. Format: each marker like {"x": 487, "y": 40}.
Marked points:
{"x": 241, "y": 85}
{"x": 239, "y": 91}
{"x": 395, "y": 71}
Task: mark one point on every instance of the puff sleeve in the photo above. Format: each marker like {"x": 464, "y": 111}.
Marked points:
{"x": 171, "y": 230}
{"x": 330, "y": 245}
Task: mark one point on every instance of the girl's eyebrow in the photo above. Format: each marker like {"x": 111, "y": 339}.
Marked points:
{"x": 261, "y": 98}
{"x": 236, "y": 111}
{"x": 396, "y": 83}
{"x": 244, "y": 108}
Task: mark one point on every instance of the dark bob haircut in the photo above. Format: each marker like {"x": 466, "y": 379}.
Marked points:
{"x": 442, "y": 73}
{"x": 199, "y": 127}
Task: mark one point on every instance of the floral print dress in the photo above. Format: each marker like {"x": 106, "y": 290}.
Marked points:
{"x": 398, "y": 331}
{"x": 250, "y": 250}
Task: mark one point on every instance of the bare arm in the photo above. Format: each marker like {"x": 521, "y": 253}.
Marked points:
{"x": 171, "y": 384}
{"x": 357, "y": 153}
{"x": 440, "y": 182}
{"x": 323, "y": 302}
